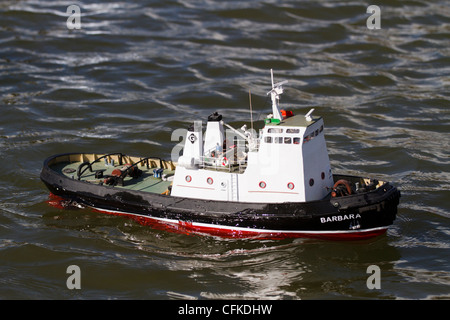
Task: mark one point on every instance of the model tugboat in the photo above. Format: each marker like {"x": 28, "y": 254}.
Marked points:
{"x": 276, "y": 183}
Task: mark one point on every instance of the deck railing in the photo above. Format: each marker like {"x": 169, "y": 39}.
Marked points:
{"x": 231, "y": 160}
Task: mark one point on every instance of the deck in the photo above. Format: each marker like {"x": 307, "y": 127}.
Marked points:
{"x": 146, "y": 182}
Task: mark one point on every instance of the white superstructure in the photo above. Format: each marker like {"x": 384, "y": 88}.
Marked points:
{"x": 287, "y": 162}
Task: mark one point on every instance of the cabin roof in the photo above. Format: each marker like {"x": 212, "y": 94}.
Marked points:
{"x": 298, "y": 121}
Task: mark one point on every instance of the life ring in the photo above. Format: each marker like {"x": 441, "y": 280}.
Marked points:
{"x": 224, "y": 161}
{"x": 339, "y": 192}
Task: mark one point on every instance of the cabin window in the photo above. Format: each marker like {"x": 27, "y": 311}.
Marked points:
{"x": 188, "y": 178}
{"x": 311, "y": 182}
{"x": 275, "y": 130}
{"x": 209, "y": 180}
{"x": 268, "y": 139}
{"x": 317, "y": 132}
{"x": 287, "y": 140}
{"x": 297, "y": 140}
{"x": 278, "y": 139}
{"x": 321, "y": 128}
{"x": 290, "y": 186}
{"x": 262, "y": 184}
{"x": 292, "y": 130}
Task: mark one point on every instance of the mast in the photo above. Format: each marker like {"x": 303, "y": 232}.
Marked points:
{"x": 277, "y": 89}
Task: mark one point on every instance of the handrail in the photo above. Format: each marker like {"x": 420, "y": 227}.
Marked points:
{"x": 212, "y": 162}
{"x": 125, "y": 172}
{"x": 89, "y": 164}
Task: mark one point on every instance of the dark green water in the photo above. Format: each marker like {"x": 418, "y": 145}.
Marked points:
{"x": 138, "y": 70}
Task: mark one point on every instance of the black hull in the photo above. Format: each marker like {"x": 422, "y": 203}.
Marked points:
{"x": 356, "y": 216}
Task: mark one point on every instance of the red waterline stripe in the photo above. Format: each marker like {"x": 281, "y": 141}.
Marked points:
{"x": 185, "y": 227}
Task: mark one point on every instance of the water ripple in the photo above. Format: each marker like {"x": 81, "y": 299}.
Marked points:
{"x": 136, "y": 71}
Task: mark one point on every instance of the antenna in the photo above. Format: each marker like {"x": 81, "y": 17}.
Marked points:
{"x": 277, "y": 86}
{"x": 271, "y": 77}
{"x": 251, "y": 112}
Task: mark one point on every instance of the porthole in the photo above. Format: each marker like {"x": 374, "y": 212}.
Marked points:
{"x": 209, "y": 180}
{"x": 322, "y": 175}
{"x": 188, "y": 178}
{"x": 311, "y": 182}
{"x": 262, "y": 184}
{"x": 290, "y": 185}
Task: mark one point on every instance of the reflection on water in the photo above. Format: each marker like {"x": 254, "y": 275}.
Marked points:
{"x": 137, "y": 71}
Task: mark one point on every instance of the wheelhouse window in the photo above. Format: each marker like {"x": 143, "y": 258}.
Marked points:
{"x": 268, "y": 139}
{"x": 278, "y": 139}
{"x": 275, "y": 130}
{"x": 292, "y": 130}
